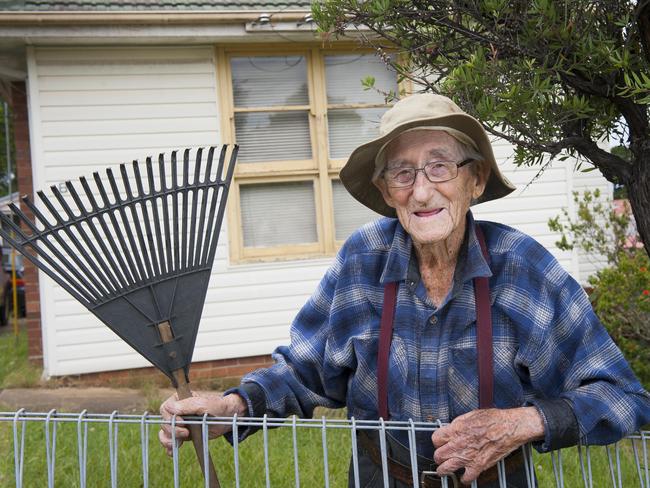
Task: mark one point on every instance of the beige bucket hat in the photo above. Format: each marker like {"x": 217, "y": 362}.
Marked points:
{"x": 421, "y": 110}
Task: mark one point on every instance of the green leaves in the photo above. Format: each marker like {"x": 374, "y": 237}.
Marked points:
{"x": 552, "y": 78}
{"x": 599, "y": 228}
{"x": 368, "y": 83}
{"x": 538, "y": 72}
{"x": 621, "y": 291}
{"x": 621, "y": 299}
{"x": 636, "y": 85}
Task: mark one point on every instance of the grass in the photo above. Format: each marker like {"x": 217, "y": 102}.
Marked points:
{"x": 161, "y": 467}
{"x": 15, "y": 370}
{"x": 251, "y": 455}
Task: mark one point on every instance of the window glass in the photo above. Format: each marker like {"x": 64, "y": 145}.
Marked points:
{"x": 262, "y": 81}
{"x": 344, "y": 73}
{"x": 279, "y": 124}
{"x": 274, "y": 214}
{"x": 272, "y": 136}
{"x": 348, "y": 128}
{"x": 349, "y": 214}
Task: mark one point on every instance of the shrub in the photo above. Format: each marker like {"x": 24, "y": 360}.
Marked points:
{"x": 621, "y": 291}
{"x": 621, "y": 299}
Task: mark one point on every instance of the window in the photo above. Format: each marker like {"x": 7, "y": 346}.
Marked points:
{"x": 297, "y": 115}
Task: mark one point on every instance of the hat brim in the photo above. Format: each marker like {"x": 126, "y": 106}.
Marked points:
{"x": 357, "y": 173}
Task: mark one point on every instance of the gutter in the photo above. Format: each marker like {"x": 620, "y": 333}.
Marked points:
{"x": 70, "y": 18}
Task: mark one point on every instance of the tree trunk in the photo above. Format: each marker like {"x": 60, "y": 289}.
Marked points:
{"x": 638, "y": 190}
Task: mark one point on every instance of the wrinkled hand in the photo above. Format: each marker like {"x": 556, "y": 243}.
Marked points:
{"x": 200, "y": 403}
{"x": 478, "y": 439}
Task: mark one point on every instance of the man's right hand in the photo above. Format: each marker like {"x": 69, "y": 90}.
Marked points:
{"x": 200, "y": 403}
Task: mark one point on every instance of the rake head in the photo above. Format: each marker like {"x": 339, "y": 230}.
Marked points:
{"x": 138, "y": 253}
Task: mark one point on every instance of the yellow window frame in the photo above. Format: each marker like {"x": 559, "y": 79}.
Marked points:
{"x": 320, "y": 169}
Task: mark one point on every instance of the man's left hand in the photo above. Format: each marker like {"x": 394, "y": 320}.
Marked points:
{"x": 478, "y": 439}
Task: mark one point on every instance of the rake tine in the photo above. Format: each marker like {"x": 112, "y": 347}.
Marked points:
{"x": 186, "y": 163}
{"x": 117, "y": 270}
{"x": 125, "y": 220}
{"x": 139, "y": 252}
{"x": 204, "y": 202}
{"x": 156, "y": 218}
{"x": 101, "y": 272}
{"x": 213, "y": 205}
{"x": 177, "y": 250}
{"x": 150, "y": 250}
{"x": 222, "y": 160}
{"x": 62, "y": 226}
{"x": 63, "y": 278}
{"x": 165, "y": 201}
{"x": 123, "y": 216}
{"x": 96, "y": 288}
{"x": 195, "y": 197}
{"x": 130, "y": 270}
{"x": 222, "y": 204}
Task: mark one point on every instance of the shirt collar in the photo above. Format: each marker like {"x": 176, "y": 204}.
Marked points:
{"x": 402, "y": 262}
{"x": 399, "y": 255}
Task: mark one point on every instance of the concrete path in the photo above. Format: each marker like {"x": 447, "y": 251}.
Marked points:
{"x": 95, "y": 400}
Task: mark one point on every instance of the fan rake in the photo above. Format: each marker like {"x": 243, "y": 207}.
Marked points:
{"x": 139, "y": 259}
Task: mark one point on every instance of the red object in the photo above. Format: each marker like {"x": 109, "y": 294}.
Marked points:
{"x": 385, "y": 336}
{"x": 484, "y": 332}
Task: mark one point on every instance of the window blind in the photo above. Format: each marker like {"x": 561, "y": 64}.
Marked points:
{"x": 344, "y": 73}
{"x": 272, "y": 136}
{"x": 348, "y": 128}
{"x": 349, "y": 214}
{"x": 274, "y": 214}
{"x": 262, "y": 81}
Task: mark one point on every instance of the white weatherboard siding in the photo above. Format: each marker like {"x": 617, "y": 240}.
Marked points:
{"x": 97, "y": 107}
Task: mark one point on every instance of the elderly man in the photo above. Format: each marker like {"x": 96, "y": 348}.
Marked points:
{"x": 432, "y": 315}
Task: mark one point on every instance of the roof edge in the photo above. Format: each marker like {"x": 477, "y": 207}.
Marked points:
{"x": 24, "y": 18}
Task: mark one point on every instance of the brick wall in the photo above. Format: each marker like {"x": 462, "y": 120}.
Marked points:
{"x": 25, "y": 187}
{"x": 217, "y": 374}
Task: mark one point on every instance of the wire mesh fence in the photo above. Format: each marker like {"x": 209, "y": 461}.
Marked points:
{"x": 82, "y": 449}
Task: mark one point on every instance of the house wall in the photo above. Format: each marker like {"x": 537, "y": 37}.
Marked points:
{"x": 92, "y": 108}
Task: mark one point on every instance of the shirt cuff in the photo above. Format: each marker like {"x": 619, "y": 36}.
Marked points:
{"x": 561, "y": 427}
{"x": 255, "y": 399}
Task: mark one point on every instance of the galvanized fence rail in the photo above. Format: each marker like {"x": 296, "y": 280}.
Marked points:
{"x": 623, "y": 464}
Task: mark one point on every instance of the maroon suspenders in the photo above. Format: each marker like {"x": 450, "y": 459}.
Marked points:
{"x": 385, "y": 336}
{"x": 483, "y": 338}
{"x": 484, "y": 332}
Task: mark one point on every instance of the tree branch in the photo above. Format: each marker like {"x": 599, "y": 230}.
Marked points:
{"x": 643, "y": 22}
{"x": 612, "y": 167}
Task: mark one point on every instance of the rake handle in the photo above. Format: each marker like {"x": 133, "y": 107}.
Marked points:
{"x": 183, "y": 392}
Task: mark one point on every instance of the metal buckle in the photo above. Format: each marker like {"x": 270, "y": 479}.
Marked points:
{"x": 433, "y": 475}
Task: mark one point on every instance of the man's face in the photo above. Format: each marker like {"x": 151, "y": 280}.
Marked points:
{"x": 431, "y": 212}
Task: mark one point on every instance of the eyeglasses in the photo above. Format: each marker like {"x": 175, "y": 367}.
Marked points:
{"x": 435, "y": 171}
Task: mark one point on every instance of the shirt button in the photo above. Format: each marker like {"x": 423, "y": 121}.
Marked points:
{"x": 433, "y": 320}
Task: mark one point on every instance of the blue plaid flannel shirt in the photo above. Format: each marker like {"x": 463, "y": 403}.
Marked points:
{"x": 550, "y": 350}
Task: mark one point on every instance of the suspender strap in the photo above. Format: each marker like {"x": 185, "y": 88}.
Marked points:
{"x": 483, "y": 338}
{"x": 385, "y": 336}
{"x": 484, "y": 332}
